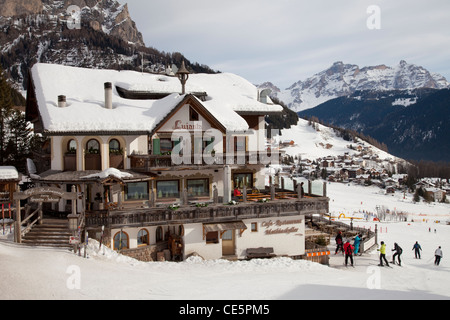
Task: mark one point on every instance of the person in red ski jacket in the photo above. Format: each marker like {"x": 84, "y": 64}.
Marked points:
{"x": 348, "y": 250}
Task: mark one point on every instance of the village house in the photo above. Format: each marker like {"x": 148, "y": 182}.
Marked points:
{"x": 435, "y": 194}
{"x": 154, "y": 161}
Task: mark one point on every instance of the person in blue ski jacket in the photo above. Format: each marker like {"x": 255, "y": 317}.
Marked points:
{"x": 357, "y": 243}
{"x": 417, "y": 249}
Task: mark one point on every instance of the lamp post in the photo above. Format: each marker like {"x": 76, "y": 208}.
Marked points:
{"x": 183, "y": 76}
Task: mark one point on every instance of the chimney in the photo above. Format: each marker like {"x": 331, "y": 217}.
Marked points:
{"x": 108, "y": 95}
{"x": 62, "y": 102}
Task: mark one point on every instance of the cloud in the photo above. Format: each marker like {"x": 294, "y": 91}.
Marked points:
{"x": 284, "y": 41}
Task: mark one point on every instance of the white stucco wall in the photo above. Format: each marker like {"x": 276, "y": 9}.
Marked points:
{"x": 285, "y": 235}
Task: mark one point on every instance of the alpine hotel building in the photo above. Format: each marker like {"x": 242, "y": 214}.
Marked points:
{"x": 155, "y": 162}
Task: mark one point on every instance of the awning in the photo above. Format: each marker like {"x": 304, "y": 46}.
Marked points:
{"x": 225, "y": 226}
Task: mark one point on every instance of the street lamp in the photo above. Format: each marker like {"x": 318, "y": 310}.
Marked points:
{"x": 183, "y": 76}
{"x": 73, "y": 222}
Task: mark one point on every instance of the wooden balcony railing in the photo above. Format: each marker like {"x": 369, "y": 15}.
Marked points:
{"x": 212, "y": 213}
{"x": 146, "y": 163}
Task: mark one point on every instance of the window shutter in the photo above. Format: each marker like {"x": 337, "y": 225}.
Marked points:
{"x": 156, "y": 147}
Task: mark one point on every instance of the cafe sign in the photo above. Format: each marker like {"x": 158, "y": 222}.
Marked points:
{"x": 45, "y": 194}
{"x": 282, "y": 227}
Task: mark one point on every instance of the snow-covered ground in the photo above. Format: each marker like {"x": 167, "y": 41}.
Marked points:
{"x": 39, "y": 273}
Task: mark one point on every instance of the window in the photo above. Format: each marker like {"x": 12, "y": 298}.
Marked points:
{"x": 72, "y": 147}
{"x": 168, "y": 189}
{"x": 159, "y": 234}
{"x": 143, "y": 238}
{"x": 120, "y": 241}
{"x": 136, "y": 191}
{"x": 239, "y": 144}
{"x": 114, "y": 147}
{"x": 212, "y": 237}
{"x": 243, "y": 179}
{"x": 166, "y": 146}
{"x": 93, "y": 147}
{"x": 198, "y": 188}
{"x": 193, "y": 115}
{"x": 254, "y": 227}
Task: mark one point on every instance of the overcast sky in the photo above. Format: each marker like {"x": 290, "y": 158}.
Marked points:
{"x": 285, "y": 41}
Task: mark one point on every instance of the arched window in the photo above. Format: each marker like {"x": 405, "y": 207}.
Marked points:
{"x": 159, "y": 234}
{"x": 114, "y": 147}
{"x": 72, "y": 147}
{"x": 121, "y": 241}
{"x": 143, "y": 238}
{"x": 93, "y": 147}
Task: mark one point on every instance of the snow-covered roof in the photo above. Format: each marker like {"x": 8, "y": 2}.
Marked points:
{"x": 8, "y": 173}
{"x": 227, "y": 95}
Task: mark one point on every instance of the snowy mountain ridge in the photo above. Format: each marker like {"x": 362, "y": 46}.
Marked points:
{"x": 344, "y": 79}
{"x": 96, "y": 34}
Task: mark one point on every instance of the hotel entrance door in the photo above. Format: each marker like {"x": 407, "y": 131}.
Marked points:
{"x": 228, "y": 243}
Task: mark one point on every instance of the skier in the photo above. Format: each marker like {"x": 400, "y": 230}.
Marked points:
{"x": 339, "y": 244}
{"x": 383, "y": 254}
{"x": 348, "y": 249}
{"x": 398, "y": 252}
{"x": 417, "y": 248}
{"x": 357, "y": 243}
{"x": 438, "y": 254}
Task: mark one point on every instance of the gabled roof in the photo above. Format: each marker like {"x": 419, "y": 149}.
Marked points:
{"x": 228, "y": 96}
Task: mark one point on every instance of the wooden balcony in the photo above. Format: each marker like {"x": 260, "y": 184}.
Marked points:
{"x": 147, "y": 163}
{"x": 212, "y": 213}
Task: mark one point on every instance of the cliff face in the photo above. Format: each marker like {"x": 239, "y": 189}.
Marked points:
{"x": 9, "y": 8}
{"x": 108, "y": 16}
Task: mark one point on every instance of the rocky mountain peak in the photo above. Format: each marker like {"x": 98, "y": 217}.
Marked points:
{"x": 108, "y": 16}
{"x": 344, "y": 79}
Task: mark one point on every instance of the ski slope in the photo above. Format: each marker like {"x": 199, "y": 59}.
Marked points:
{"x": 39, "y": 273}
